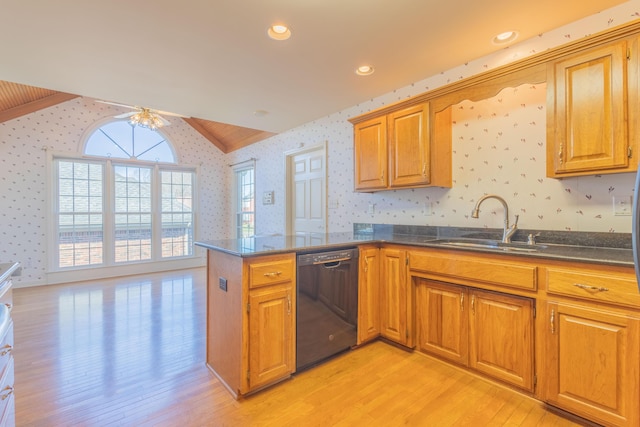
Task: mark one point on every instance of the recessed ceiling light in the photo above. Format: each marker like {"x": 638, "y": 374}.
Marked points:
{"x": 364, "y": 70}
{"x": 279, "y": 32}
{"x": 506, "y": 37}
{"x": 260, "y": 113}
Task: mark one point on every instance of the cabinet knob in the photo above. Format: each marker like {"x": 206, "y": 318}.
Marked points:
{"x": 6, "y": 392}
{"x": 590, "y": 288}
{"x": 6, "y": 349}
{"x": 561, "y": 152}
{"x": 273, "y": 274}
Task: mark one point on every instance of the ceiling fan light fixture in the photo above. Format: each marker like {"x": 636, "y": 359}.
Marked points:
{"x": 146, "y": 119}
{"x": 364, "y": 70}
{"x": 279, "y": 32}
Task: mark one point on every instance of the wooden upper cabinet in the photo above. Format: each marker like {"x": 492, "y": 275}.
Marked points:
{"x": 404, "y": 148}
{"x": 588, "y": 106}
{"x": 409, "y": 146}
{"x": 370, "y": 146}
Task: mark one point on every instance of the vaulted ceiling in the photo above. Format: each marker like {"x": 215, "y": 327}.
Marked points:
{"x": 212, "y": 62}
{"x": 17, "y": 100}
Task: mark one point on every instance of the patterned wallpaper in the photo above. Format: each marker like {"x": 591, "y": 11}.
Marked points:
{"x": 498, "y": 148}
{"x": 24, "y": 177}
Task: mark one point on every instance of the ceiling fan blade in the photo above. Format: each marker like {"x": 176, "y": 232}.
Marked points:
{"x": 164, "y": 121}
{"x": 166, "y": 113}
{"x": 118, "y": 105}
{"x": 125, "y": 115}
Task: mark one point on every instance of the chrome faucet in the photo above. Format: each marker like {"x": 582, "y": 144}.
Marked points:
{"x": 508, "y": 230}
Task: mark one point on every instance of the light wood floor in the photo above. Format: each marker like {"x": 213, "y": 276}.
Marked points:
{"x": 130, "y": 352}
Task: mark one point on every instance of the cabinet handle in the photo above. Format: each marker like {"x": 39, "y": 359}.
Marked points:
{"x": 462, "y": 301}
{"x": 561, "y": 152}
{"x": 590, "y": 288}
{"x": 289, "y": 304}
{"x": 6, "y": 392}
{"x": 473, "y": 304}
{"x": 366, "y": 264}
{"x": 424, "y": 169}
{"x": 553, "y": 321}
{"x": 382, "y": 176}
{"x": 273, "y": 274}
{"x": 6, "y": 350}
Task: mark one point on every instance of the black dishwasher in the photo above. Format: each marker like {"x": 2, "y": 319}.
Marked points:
{"x": 327, "y": 305}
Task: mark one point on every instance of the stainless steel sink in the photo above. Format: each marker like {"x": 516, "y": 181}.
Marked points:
{"x": 489, "y": 244}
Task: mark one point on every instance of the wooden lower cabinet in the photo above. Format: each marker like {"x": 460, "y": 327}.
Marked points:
{"x": 501, "y": 337}
{"x": 396, "y": 307}
{"x": 592, "y": 362}
{"x": 368, "y": 294}
{"x": 442, "y": 325}
{"x": 272, "y": 333}
{"x": 251, "y": 312}
{"x": 489, "y": 332}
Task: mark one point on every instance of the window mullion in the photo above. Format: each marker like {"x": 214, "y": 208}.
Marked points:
{"x": 156, "y": 211}
{"x": 109, "y": 218}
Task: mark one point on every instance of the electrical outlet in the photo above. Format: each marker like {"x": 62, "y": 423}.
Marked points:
{"x": 622, "y": 205}
{"x": 427, "y": 209}
{"x": 372, "y": 208}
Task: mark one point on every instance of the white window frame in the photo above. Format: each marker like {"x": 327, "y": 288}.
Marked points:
{"x": 237, "y": 197}
{"x": 109, "y": 268}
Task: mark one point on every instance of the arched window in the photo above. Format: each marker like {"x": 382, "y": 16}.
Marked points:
{"x": 120, "y": 140}
{"x": 125, "y": 201}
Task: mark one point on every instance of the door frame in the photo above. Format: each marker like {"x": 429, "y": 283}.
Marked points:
{"x": 288, "y": 181}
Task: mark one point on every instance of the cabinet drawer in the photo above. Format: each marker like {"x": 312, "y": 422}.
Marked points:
{"x": 481, "y": 270}
{"x": 6, "y": 346}
{"x": 7, "y": 404}
{"x": 594, "y": 285}
{"x": 270, "y": 272}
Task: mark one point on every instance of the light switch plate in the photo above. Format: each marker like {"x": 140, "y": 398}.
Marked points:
{"x": 622, "y": 205}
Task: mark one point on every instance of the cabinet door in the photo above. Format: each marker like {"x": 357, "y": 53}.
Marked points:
{"x": 395, "y": 308}
{"x": 409, "y": 147}
{"x": 370, "y": 154}
{"x": 587, "y": 122}
{"x": 272, "y": 334}
{"x": 591, "y": 364}
{"x": 501, "y": 337}
{"x": 368, "y": 294}
{"x": 442, "y": 320}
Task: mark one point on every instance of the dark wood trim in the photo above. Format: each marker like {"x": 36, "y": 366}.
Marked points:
{"x": 36, "y": 105}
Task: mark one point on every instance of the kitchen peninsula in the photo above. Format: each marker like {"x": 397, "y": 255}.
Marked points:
{"x": 558, "y": 320}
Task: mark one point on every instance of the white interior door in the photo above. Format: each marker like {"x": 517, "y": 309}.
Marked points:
{"x": 308, "y": 198}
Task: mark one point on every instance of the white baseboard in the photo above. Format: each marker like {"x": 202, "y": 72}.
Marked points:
{"x": 58, "y": 277}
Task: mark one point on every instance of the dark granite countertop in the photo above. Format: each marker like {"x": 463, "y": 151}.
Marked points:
{"x": 599, "y": 248}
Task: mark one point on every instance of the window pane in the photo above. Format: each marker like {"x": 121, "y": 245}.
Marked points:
{"x": 177, "y": 213}
{"x": 120, "y": 140}
{"x": 79, "y": 233}
{"x": 245, "y": 204}
{"x": 132, "y": 229}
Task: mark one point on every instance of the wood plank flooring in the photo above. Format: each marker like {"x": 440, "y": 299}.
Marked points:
{"x": 130, "y": 352}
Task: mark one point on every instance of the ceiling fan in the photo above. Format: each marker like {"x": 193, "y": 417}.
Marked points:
{"x": 142, "y": 116}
